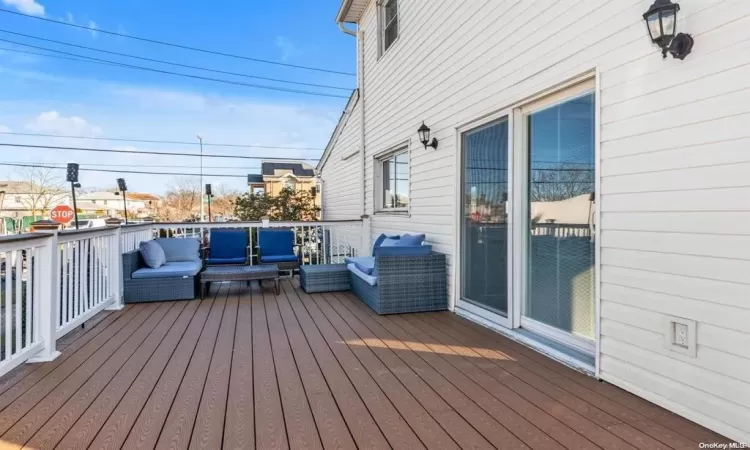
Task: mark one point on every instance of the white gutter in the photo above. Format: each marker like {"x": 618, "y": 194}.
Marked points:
{"x": 361, "y": 83}
{"x": 346, "y": 30}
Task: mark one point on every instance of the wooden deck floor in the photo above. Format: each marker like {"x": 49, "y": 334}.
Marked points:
{"x": 246, "y": 369}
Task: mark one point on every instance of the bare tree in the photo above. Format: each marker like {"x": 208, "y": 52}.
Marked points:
{"x": 560, "y": 182}
{"x": 223, "y": 200}
{"x": 181, "y": 198}
{"x": 40, "y": 189}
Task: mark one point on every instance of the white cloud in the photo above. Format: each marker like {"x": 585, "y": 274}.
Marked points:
{"x": 92, "y": 28}
{"x": 69, "y": 18}
{"x": 4, "y": 129}
{"x": 287, "y": 47}
{"x": 53, "y": 123}
{"x": 26, "y": 6}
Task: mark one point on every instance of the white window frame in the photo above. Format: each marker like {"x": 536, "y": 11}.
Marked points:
{"x": 382, "y": 25}
{"x": 379, "y": 159}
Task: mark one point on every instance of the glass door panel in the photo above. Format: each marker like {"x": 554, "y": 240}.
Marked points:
{"x": 561, "y": 177}
{"x": 484, "y": 217}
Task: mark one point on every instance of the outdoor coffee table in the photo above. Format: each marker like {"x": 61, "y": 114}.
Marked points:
{"x": 240, "y": 273}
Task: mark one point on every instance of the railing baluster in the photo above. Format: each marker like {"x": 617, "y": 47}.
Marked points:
{"x": 8, "y": 301}
{"x": 64, "y": 293}
{"x": 31, "y": 260}
{"x": 18, "y": 298}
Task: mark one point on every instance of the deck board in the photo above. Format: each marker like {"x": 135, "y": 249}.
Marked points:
{"x": 247, "y": 369}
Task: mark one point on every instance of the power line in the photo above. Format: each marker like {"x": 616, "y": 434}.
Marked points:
{"x": 139, "y": 165}
{"x": 129, "y": 171}
{"x": 171, "y": 44}
{"x": 188, "y": 66}
{"x": 149, "y": 141}
{"x": 150, "y": 152}
{"x": 167, "y": 72}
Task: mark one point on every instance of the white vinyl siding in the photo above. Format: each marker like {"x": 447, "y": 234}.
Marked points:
{"x": 341, "y": 173}
{"x": 674, "y": 165}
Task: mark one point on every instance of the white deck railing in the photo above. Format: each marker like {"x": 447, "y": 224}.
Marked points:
{"x": 52, "y": 282}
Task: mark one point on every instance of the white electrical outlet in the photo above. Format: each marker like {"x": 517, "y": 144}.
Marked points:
{"x": 680, "y": 335}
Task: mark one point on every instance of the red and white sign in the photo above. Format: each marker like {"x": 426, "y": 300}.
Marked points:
{"x": 62, "y": 214}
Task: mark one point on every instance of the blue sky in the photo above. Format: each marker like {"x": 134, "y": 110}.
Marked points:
{"x": 53, "y": 96}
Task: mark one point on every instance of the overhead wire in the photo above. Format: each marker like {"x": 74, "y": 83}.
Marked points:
{"x": 151, "y": 152}
{"x": 172, "y": 44}
{"x": 188, "y": 66}
{"x": 154, "y": 141}
{"x": 46, "y": 166}
{"x": 168, "y": 72}
{"x": 139, "y": 165}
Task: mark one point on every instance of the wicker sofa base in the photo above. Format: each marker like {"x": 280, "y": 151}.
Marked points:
{"x": 160, "y": 289}
{"x": 406, "y": 285}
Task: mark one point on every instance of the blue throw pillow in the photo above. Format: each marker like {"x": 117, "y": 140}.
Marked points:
{"x": 152, "y": 254}
{"x": 409, "y": 239}
{"x": 390, "y": 242}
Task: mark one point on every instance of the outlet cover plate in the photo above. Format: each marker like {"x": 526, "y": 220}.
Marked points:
{"x": 680, "y": 335}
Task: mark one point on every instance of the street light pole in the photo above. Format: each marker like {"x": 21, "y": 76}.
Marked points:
{"x": 123, "y": 188}
{"x": 72, "y": 177}
{"x": 200, "y": 140}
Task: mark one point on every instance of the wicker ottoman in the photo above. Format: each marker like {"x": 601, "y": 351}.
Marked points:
{"x": 324, "y": 278}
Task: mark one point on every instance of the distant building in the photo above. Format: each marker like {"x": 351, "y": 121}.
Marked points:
{"x": 276, "y": 176}
{"x": 137, "y": 203}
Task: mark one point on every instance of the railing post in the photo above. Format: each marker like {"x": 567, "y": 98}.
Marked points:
{"x": 49, "y": 287}
{"x": 115, "y": 266}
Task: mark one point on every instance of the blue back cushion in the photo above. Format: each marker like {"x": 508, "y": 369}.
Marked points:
{"x": 230, "y": 243}
{"x": 152, "y": 254}
{"x": 379, "y": 241}
{"x": 180, "y": 249}
{"x": 276, "y": 242}
{"x": 412, "y": 239}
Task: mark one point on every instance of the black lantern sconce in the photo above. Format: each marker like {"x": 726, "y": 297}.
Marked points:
{"x": 424, "y": 137}
{"x": 661, "y": 20}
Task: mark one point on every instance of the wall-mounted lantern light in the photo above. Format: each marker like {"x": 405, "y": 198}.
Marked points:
{"x": 424, "y": 137}
{"x": 661, "y": 20}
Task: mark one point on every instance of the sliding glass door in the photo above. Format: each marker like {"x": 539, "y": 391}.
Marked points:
{"x": 560, "y": 251}
{"x": 484, "y": 217}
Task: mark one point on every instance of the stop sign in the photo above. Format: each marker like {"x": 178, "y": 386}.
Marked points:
{"x": 62, "y": 214}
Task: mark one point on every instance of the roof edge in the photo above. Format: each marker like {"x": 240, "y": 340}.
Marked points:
{"x": 353, "y": 99}
{"x": 343, "y": 14}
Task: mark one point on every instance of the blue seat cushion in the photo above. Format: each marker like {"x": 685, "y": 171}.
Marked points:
{"x": 170, "y": 270}
{"x": 152, "y": 254}
{"x": 278, "y": 258}
{"x": 220, "y": 261}
{"x": 404, "y": 250}
{"x": 412, "y": 239}
{"x": 230, "y": 243}
{"x": 180, "y": 249}
{"x": 369, "y": 279}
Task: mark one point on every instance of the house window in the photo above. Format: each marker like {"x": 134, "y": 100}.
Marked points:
{"x": 389, "y": 23}
{"x": 18, "y": 199}
{"x": 289, "y": 183}
{"x": 395, "y": 189}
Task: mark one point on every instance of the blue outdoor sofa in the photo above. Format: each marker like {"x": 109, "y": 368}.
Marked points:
{"x": 175, "y": 279}
{"x": 401, "y": 276}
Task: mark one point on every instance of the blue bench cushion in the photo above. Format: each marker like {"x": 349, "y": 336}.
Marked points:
{"x": 170, "y": 270}
{"x": 152, "y": 254}
{"x": 278, "y": 258}
{"x": 365, "y": 264}
{"x": 180, "y": 249}
{"x": 411, "y": 239}
{"x": 220, "y": 261}
{"x": 369, "y": 279}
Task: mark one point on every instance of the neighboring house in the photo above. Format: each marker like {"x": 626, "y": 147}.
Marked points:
{"x": 276, "y": 176}
{"x": 23, "y": 199}
{"x": 591, "y": 197}
{"x": 111, "y": 200}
